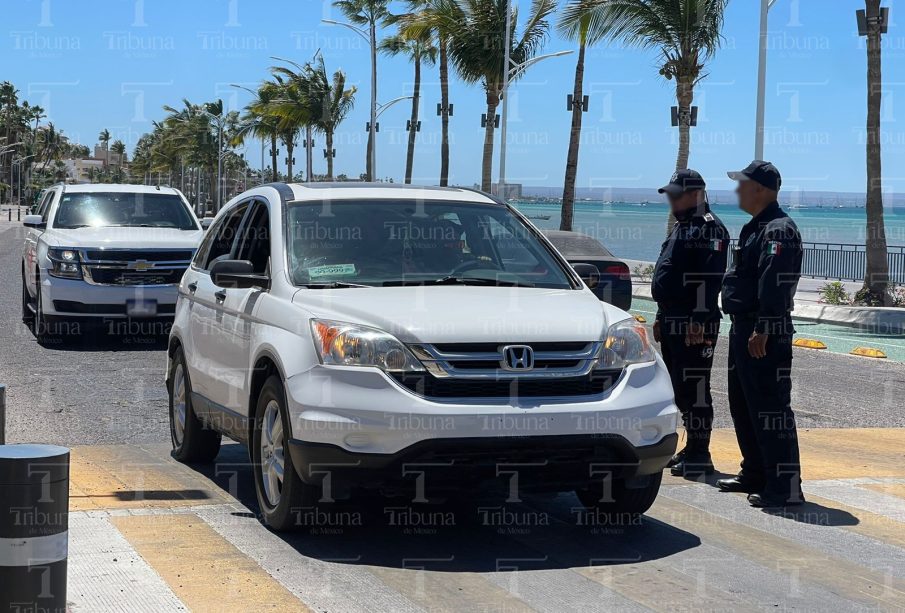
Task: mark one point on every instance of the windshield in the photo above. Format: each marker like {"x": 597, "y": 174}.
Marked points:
{"x": 385, "y": 243}
{"x": 120, "y": 209}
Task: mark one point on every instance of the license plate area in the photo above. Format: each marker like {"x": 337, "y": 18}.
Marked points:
{"x": 141, "y": 308}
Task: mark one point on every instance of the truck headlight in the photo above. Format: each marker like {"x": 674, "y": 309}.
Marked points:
{"x": 344, "y": 344}
{"x": 64, "y": 263}
{"x": 627, "y": 342}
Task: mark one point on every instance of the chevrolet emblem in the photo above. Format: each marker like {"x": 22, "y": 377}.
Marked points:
{"x": 141, "y": 265}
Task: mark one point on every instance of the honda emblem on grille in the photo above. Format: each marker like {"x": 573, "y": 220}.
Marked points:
{"x": 517, "y": 357}
{"x": 141, "y": 265}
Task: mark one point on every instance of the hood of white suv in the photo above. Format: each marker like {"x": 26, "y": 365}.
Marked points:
{"x": 112, "y": 237}
{"x": 467, "y": 314}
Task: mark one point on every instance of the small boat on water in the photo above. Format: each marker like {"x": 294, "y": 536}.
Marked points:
{"x": 540, "y": 217}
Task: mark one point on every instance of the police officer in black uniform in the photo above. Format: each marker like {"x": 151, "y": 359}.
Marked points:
{"x": 686, "y": 286}
{"x": 758, "y": 294}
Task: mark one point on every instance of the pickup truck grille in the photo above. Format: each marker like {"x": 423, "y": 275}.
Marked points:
{"x": 133, "y": 267}
{"x": 482, "y": 370}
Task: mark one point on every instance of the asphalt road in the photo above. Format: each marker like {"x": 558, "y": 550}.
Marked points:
{"x": 104, "y": 389}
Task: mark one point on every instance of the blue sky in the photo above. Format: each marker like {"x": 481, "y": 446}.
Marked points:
{"x": 112, "y": 64}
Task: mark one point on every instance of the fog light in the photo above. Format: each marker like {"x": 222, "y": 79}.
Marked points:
{"x": 357, "y": 440}
{"x": 649, "y": 433}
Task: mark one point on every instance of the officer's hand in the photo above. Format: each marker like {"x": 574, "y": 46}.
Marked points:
{"x": 695, "y": 335}
{"x": 657, "y": 331}
{"x": 757, "y": 345}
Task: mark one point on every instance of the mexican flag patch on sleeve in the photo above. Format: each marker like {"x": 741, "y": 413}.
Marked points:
{"x": 774, "y": 248}
{"x": 716, "y": 245}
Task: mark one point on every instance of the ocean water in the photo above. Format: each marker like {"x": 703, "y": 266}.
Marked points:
{"x": 636, "y": 231}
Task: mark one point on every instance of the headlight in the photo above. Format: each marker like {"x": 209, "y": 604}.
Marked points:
{"x": 64, "y": 263}
{"x": 627, "y": 342}
{"x": 343, "y": 344}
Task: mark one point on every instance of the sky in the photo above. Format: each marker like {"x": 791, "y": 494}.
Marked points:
{"x": 112, "y": 64}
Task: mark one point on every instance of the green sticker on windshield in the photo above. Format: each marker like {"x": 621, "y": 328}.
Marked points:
{"x": 332, "y": 270}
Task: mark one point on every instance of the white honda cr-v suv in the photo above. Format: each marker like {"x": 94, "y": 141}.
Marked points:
{"x": 105, "y": 253}
{"x": 413, "y": 340}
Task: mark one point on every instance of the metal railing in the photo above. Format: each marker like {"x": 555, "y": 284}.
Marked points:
{"x": 842, "y": 261}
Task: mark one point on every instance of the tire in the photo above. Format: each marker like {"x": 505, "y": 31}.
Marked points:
{"x": 28, "y": 316}
{"x": 623, "y": 502}
{"x": 278, "y": 497}
{"x": 192, "y": 440}
{"x": 45, "y": 332}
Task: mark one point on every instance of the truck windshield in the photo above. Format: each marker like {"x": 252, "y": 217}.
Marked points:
{"x": 387, "y": 243}
{"x": 121, "y": 209}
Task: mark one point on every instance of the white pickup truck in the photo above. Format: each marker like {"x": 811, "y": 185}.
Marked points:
{"x": 107, "y": 253}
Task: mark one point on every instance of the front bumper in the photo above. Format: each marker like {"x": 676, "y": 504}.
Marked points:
{"x": 353, "y": 418}
{"x": 71, "y": 298}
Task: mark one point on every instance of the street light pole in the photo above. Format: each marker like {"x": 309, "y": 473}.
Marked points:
{"x": 369, "y": 38}
{"x": 512, "y": 73}
{"x": 765, "y": 6}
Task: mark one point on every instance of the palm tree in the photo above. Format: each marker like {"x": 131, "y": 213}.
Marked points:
{"x": 876, "y": 278}
{"x": 685, "y": 32}
{"x": 418, "y": 50}
{"x": 575, "y": 25}
{"x": 119, "y": 148}
{"x": 476, "y": 47}
{"x": 104, "y": 138}
{"x": 426, "y": 19}
{"x": 312, "y": 97}
{"x": 370, "y": 14}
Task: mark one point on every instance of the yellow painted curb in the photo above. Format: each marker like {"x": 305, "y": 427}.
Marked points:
{"x": 809, "y": 343}
{"x": 868, "y": 352}
{"x": 641, "y": 319}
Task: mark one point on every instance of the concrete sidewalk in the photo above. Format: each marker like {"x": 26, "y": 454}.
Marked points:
{"x": 149, "y": 534}
{"x": 808, "y": 305}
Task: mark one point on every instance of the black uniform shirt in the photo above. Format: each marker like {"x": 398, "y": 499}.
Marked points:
{"x": 689, "y": 272}
{"x": 764, "y": 276}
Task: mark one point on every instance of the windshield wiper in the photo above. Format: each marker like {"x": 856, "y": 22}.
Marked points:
{"x": 454, "y": 280}
{"x": 333, "y": 285}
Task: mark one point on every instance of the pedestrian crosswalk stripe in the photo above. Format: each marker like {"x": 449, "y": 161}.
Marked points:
{"x": 207, "y": 572}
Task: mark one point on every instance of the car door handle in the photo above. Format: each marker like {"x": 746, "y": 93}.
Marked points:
{"x": 220, "y": 296}
{"x": 192, "y": 287}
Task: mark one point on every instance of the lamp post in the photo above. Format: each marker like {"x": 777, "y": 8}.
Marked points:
{"x": 372, "y": 131}
{"x": 765, "y": 6}
{"x": 514, "y": 71}
{"x": 18, "y": 164}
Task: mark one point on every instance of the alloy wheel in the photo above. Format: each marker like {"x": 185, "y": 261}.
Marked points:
{"x": 272, "y": 462}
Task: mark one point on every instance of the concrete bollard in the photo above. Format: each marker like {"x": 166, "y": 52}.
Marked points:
{"x": 34, "y": 523}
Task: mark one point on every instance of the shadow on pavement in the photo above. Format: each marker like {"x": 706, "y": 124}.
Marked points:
{"x": 815, "y": 515}
{"x": 101, "y": 341}
{"x": 479, "y": 533}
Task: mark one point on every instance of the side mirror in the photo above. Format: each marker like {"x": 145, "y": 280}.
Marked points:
{"x": 588, "y": 273}
{"x": 237, "y": 274}
{"x": 206, "y": 222}
{"x": 34, "y": 221}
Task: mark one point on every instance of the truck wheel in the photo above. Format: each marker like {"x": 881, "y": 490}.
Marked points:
{"x": 627, "y": 499}
{"x": 45, "y": 332}
{"x": 279, "y": 489}
{"x": 192, "y": 441}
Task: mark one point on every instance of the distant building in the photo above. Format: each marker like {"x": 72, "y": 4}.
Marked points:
{"x": 80, "y": 170}
{"x": 110, "y": 157}
{"x": 512, "y": 191}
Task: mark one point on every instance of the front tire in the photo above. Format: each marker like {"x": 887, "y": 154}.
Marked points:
{"x": 622, "y": 502}
{"x": 192, "y": 441}
{"x": 280, "y": 490}
{"x": 28, "y": 316}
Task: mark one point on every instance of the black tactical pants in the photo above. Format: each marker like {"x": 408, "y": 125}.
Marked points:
{"x": 760, "y": 401}
{"x": 689, "y": 370}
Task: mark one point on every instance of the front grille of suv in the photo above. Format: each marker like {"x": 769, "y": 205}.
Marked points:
{"x": 134, "y": 267}
{"x": 476, "y": 370}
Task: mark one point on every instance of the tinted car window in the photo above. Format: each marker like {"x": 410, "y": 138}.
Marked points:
{"x": 122, "y": 209}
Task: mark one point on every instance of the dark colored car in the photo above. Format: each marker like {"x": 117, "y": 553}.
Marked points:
{"x": 615, "y": 284}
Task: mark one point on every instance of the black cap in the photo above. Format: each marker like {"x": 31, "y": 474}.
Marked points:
{"x": 683, "y": 181}
{"x": 761, "y": 172}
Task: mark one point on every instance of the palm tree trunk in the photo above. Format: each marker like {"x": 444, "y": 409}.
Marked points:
{"x": 493, "y": 100}
{"x": 273, "y": 158}
{"x": 416, "y": 100}
{"x": 329, "y": 140}
{"x": 568, "y": 192}
{"x": 685, "y": 98}
{"x": 876, "y": 278}
{"x": 289, "y": 150}
{"x": 444, "y": 115}
{"x": 309, "y": 155}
